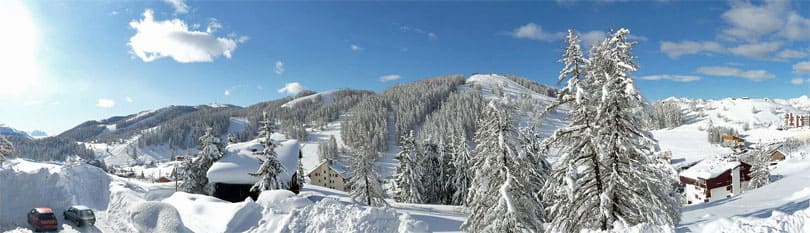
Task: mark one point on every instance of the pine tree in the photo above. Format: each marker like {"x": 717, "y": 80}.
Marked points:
{"x": 270, "y": 167}
{"x": 409, "y": 188}
{"x": 446, "y": 171}
{"x": 760, "y": 171}
{"x": 300, "y": 173}
{"x": 462, "y": 161}
{"x": 499, "y": 200}
{"x": 607, "y": 170}
{"x": 6, "y": 149}
{"x": 196, "y": 178}
{"x": 365, "y": 181}
{"x": 431, "y": 171}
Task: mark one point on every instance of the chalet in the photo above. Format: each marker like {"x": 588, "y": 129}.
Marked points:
{"x": 230, "y": 176}
{"x": 732, "y": 141}
{"x": 330, "y": 174}
{"x": 714, "y": 179}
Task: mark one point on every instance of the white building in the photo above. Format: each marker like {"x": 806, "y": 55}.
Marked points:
{"x": 714, "y": 179}
{"x": 330, "y": 174}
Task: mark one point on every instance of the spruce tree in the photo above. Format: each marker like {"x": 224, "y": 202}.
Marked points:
{"x": 269, "y": 165}
{"x": 462, "y": 161}
{"x": 409, "y": 173}
{"x": 431, "y": 171}
{"x": 196, "y": 178}
{"x": 499, "y": 199}
{"x": 607, "y": 171}
{"x": 760, "y": 171}
{"x": 365, "y": 181}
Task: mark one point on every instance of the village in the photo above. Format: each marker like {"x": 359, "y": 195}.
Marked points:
{"x": 727, "y": 175}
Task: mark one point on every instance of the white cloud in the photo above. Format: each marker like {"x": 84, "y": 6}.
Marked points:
{"x": 760, "y": 51}
{"x": 750, "y": 22}
{"x": 676, "y": 49}
{"x": 227, "y": 92}
{"x": 802, "y": 67}
{"x": 172, "y": 38}
{"x": 592, "y": 38}
{"x": 799, "y": 81}
{"x": 355, "y": 47}
{"x": 595, "y": 37}
{"x": 533, "y": 31}
{"x": 432, "y": 36}
{"x": 279, "y": 67}
{"x": 407, "y": 28}
{"x": 676, "y": 78}
{"x": 791, "y": 54}
{"x": 291, "y": 88}
{"x": 213, "y": 26}
{"x": 797, "y": 27}
{"x": 390, "y": 77}
{"x": 129, "y": 99}
{"x": 180, "y": 6}
{"x": 754, "y": 75}
{"x": 105, "y": 103}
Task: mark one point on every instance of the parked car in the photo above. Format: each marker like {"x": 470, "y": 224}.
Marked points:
{"x": 80, "y": 215}
{"x": 42, "y": 219}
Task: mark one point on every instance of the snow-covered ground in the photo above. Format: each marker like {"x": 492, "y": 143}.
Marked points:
{"x": 130, "y": 205}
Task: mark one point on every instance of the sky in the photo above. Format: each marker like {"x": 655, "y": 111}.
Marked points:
{"x": 66, "y": 62}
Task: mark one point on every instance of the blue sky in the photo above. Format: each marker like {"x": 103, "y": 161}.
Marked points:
{"x": 68, "y": 62}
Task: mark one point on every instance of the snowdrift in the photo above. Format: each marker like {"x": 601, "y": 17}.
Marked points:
{"x": 25, "y": 185}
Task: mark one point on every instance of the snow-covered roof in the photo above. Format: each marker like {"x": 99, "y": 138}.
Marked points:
{"x": 240, "y": 160}
{"x": 711, "y": 167}
{"x": 81, "y": 207}
{"x": 336, "y": 165}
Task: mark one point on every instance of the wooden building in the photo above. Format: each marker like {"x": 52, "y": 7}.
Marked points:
{"x": 714, "y": 179}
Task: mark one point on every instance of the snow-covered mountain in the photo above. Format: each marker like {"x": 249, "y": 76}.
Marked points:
{"x": 11, "y": 132}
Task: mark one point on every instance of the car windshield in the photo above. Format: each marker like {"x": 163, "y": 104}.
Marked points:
{"x": 47, "y": 217}
{"x": 86, "y": 213}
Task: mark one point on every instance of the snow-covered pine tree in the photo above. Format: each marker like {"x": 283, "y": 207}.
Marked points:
{"x": 760, "y": 172}
{"x": 196, "y": 178}
{"x": 446, "y": 169}
{"x": 607, "y": 170}
{"x": 6, "y": 149}
{"x": 573, "y": 185}
{"x": 429, "y": 164}
{"x": 300, "y": 173}
{"x": 638, "y": 185}
{"x": 534, "y": 169}
{"x": 270, "y": 167}
{"x": 365, "y": 182}
{"x": 409, "y": 173}
{"x": 462, "y": 161}
{"x": 499, "y": 200}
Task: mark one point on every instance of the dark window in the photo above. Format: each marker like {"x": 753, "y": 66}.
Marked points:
{"x": 47, "y": 217}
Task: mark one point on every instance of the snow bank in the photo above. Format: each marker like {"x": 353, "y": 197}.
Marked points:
{"x": 152, "y": 216}
{"x": 777, "y": 222}
{"x": 240, "y": 160}
{"x": 331, "y": 215}
{"x": 640, "y": 228}
{"x": 282, "y": 201}
{"x": 26, "y": 185}
{"x": 208, "y": 214}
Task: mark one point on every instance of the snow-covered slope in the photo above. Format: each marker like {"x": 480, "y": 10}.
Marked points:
{"x": 530, "y": 104}
{"x": 757, "y": 121}
{"x": 324, "y": 97}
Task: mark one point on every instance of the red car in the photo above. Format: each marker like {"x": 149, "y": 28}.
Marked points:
{"x": 42, "y": 219}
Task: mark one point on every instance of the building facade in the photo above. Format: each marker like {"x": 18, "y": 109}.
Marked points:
{"x": 330, "y": 174}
